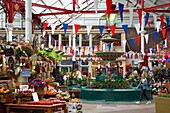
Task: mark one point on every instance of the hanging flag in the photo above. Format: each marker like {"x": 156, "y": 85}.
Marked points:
{"x": 131, "y": 42}
{"x": 125, "y": 28}
{"x": 149, "y": 23}
{"x": 76, "y": 26}
{"x": 44, "y": 33}
{"x": 49, "y": 40}
{"x": 79, "y": 49}
{"x": 70, "y": 59}
{"x": 158, "y": 23}
{"x": 167, "y": 23}
{"x": 84, "y": 48}
{"x": 77, "y": 52}
{"x": 88, "y": 55}
{"x": 140, "y": 16}
{"x": 45, "y": 25}
{"x": 146, "y": 38}
{"x": 164, "y": 33}
{"x": 154, "y": 36}
{"x": 65, "y": 26}
{"x": 162, "y": 21}
{"x": 137, "y": 26}
{"x": 93, "y": 47}
{"x": 138, "y": 40}
{"x": 146, "y": 18}
{"x": 113, "y": 29}
{"x": 155, "y": 19}
{"x": 101, "y": 28}
{"x": 98, "y": 48}
{"x": 131, "y": 16}
{"x": 121, "y": 7}
{"x": 96, "y": 5}
{"x": 53, "y": 26}
{"x": 88, "y": 27}
{"x": 108, "y": 6}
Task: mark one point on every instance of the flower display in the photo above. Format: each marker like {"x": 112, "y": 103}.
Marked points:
{"x": 37, "y": 83}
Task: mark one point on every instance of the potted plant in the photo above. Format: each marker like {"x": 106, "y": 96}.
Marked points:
{"x": 162, "y": 103}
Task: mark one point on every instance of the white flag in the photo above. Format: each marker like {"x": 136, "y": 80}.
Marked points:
{"x": 49, "y": 41}
{"x": 146, "y": 38}
{"x": 44, "y": 32}
{"x": 158, "y": 23}
{"x": 96, "y": 5}
{"x": 155, "y": 20}
{"x": 89, "y": 27}
{"x": 131, "y": 16}
{"x": 53, "y": 26}
{"x": 124, "y": 44}
{"x": 137, "y": 26}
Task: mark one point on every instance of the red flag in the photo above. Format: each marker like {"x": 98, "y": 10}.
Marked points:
{"x": 84, "y": 48}
{"x": 138, "y": 40}
{"x": 76, "y": 26}
{"x": 45, "y": 26}
{"x": 61, "y": 47}
{"x": 108, "y": 5}
{"x": 98, "y": 48}
{"x": 162, "y": 21}
{"x": 140, "y": 16}
{"x": 113, "y": 29}
{"x": 149, "y": 23}
{"x": 164, "y": 33}
{"x": 95, "y": 56}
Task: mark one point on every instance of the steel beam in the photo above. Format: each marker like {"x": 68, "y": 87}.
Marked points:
{"x": 157, "y": 7}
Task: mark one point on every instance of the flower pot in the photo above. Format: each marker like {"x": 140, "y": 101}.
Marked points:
{"x": 162, "y": 104}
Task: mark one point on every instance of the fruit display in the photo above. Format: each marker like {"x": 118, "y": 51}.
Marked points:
{"x": 4, "y": 91}
{"x": 51, "y": 92}
{"x": 45, "y": 102}
{"x": 63, "y": 95}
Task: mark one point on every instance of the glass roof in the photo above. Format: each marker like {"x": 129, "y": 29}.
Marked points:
{"x": 60, "y": 11}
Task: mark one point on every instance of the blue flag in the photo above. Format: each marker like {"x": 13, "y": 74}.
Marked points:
{"x": 131, "y": 42}
{"x": 154, "y": 36}
{"x": 65, "y": 26}
{"x": 147, "y": 18}
{"x": 121, "y": 7}
{"x": 125, "y": 28}
{"x": 101, "y": 27}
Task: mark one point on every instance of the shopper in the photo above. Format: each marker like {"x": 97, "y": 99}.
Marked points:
{"x": 143, "y": 84}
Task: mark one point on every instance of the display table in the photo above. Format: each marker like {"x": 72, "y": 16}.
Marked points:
{"x": 48, "y": 108}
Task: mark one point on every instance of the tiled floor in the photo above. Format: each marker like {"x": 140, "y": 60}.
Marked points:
{"x": 111, "y": 107}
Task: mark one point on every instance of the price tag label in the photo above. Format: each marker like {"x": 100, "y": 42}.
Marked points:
{"x": 35, "y": 97}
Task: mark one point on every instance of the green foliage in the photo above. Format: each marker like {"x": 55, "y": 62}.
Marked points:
{"x": 164, "y": 95}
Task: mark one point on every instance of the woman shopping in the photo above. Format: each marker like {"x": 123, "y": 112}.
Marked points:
{"x": 144, "y": 85}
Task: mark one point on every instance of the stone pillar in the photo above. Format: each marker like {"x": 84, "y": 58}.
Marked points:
{"x": 28, "y": 20}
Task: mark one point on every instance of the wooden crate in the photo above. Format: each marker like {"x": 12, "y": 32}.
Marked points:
{"x": 162, "y": 104}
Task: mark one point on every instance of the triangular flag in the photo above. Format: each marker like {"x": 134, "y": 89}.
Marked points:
{"x": 96, "y": 5}
{"x": 101, "y": 27}
{"x": 155, "y": 19}
{"x": 121, "y": 7}
{"x": 45, "y": 26}
{"x": 154, "y": 36}
{"x": 138, "y": 40}
{"x": 146, "y": 18}
{"x": 158, "y": 23}
{"x": 113, "y": 29}
{"x": 65, "y": 26}
{"x": 93, "y": 47}
{"x": 146, "y": 38}
{"x": 108, "y": 5}
{"x": 131, "y": 16}
{"x": 88, "y": 27}
{"x": 149, "y": 23}
{"x": 53, "y": 26}
{"x": 164, "y": 33}
{"x": 131, "y": 42}
{"x": 49, "y": 40}
{"x": 76, "y": 26}
{"x": 44, "y": 32}
{"x": 167, "y": 23}
{"x": 137, "y": 26}
{"x": 125, "y": 28}
{"x": 162, "y": 21}
{"x": 140, "y": 16}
